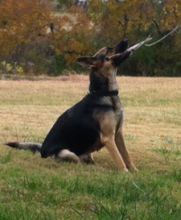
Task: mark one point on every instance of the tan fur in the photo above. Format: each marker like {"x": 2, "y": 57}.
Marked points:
{"x": 101, "y": 51}
{"x": 108, "y": 126}
{"x": 123, "y": 151}
{"x": 113, "y": 150}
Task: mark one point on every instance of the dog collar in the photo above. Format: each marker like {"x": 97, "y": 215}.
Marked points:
{"x": 105, "y": 93}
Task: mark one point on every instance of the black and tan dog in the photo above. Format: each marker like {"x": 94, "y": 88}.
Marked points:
{"x": 96, "y": 121}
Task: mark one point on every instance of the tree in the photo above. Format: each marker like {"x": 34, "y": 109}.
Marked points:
{"x": 21, "y": 22}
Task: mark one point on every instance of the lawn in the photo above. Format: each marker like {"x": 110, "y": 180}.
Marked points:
{"x": 32, "y": 188}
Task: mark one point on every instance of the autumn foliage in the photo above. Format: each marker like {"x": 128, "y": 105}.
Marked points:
{"x": 20, "y": 23}
{"x": 37, "y": 37}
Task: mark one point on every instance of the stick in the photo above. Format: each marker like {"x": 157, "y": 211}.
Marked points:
{"x": 165, "y": 36}
{"x": 138, "y": 45}
{"x": 149, "y": 38}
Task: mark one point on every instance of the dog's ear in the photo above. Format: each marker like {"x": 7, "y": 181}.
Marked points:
{"x": 105, "y": 51}
{"x": 86, "y": 61}
{"x": 102, "y": 51}
{"x": 122, "y": 46}
{"x": 95, "y": 62}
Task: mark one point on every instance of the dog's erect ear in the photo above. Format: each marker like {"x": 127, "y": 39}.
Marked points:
{"x": 86, "y": 61}
{"x": 95, "y": 62}
{"x": 105, "y": 51}
{"x": 102, "y": 51}
{"x": 118, "y": 58}
{"x": 122, "y": 46}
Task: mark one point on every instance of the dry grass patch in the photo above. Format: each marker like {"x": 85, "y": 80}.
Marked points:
{"x": 152, "y": 108}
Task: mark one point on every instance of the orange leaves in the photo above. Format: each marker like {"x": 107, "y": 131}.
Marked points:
{"x": 21, "y": 22}
{"x": 72, "y": 35}
{"x": 172, "y": 14}
{"x": 121, "y": 19}
{"x": 76, "y": 46}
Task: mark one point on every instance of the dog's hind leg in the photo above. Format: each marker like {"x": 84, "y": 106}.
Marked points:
{"x": 123, "y": 151}
{"x": 67, "y": 156}
{"x": 87, "y": 158}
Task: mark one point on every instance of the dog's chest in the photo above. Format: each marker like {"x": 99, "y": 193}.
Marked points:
{"x": 110, "y": 113}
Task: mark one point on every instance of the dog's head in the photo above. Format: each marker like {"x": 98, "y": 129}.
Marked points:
{"x": 106, "y": 59}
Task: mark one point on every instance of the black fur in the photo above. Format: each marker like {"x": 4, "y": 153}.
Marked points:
{"x": 34, "y": 147}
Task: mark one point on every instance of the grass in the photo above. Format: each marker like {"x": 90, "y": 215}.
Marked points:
{"x": 32, "y": 188}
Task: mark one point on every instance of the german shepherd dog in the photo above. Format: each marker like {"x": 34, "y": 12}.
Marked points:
{"x": 94, "y": 122}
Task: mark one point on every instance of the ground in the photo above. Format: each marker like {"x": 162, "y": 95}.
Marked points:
{"x": 35, "y": 188}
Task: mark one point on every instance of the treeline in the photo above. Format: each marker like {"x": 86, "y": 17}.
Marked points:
{"x": 41, "y": 37}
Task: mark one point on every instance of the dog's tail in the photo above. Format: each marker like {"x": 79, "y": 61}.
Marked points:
{"x": 33, "y": 147}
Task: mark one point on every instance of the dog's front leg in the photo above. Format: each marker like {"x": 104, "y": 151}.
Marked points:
{"x": 115, "y": 154}
{"x": 123, "y": 151}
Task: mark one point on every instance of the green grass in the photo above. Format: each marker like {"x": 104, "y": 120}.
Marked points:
{"x": 89, "y": 195}
{"x": 33, "y": 188}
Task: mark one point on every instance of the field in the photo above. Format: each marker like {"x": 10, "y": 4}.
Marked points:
{"x": 32, "y": 188}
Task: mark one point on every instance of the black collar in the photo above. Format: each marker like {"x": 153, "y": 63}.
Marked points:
{"x": 104, "y": 93}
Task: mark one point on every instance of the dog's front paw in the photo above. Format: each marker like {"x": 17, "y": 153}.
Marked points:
{"x": 133, "y": 169}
